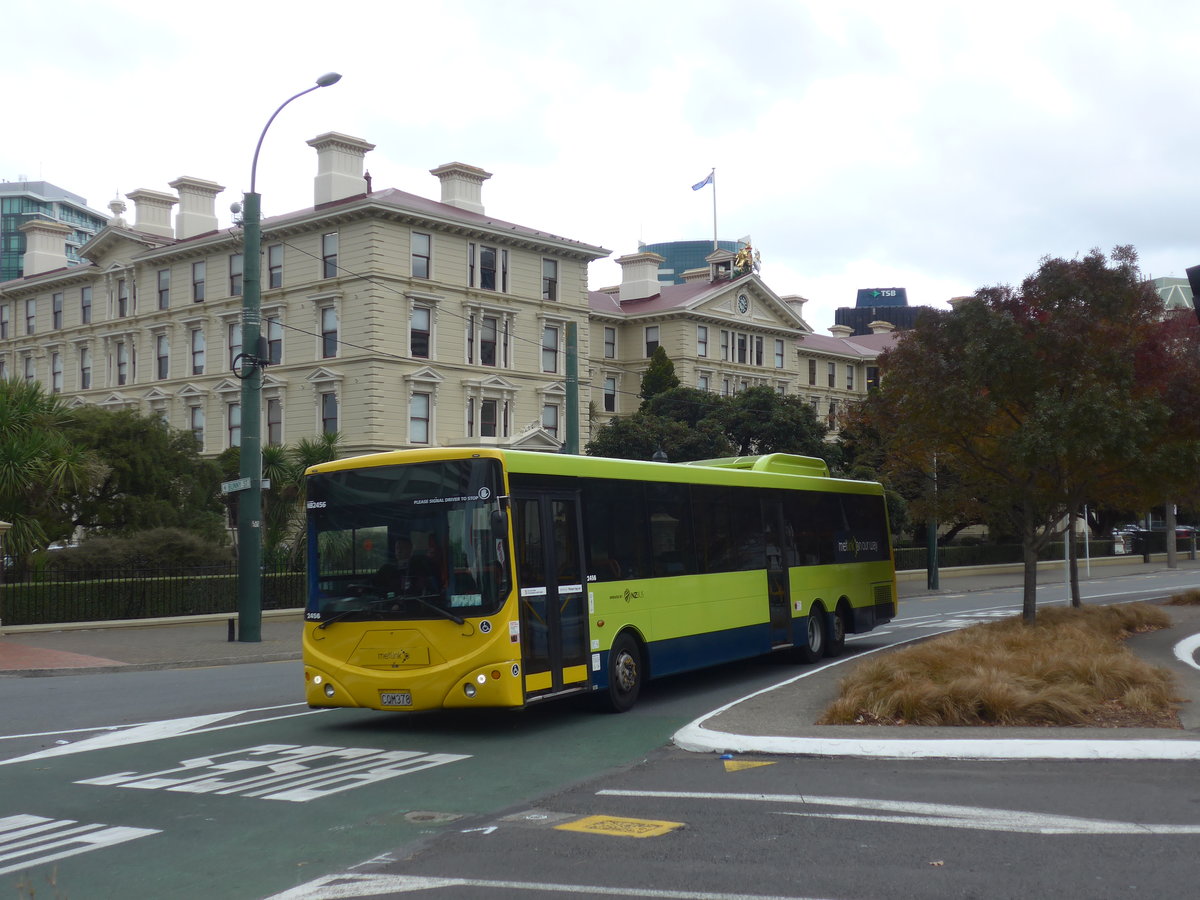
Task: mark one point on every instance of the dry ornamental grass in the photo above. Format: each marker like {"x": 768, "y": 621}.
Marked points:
{"x": 1071, "y": 668}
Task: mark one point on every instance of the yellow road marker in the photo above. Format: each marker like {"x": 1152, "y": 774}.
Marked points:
{"x": 616, "y": 825}
{"x": 737, "y": 765}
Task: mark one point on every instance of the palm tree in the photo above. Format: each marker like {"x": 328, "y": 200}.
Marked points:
{"x": 39, "y": 469}
{"x": 283, "y": 505}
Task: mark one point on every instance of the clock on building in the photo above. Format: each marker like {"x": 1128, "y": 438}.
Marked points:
{"x": 743, "y": 303}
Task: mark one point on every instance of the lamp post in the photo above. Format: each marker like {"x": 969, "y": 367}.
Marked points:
{"x": 249, "y": 523}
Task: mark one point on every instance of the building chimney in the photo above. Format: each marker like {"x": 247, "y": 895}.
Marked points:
{"x": 45, "y": 245}
{"x": 841, "y": 331}
{"x": 462, "y": 185}
{"x": 197, "y": 202}
{"x": 881, "y": 327}
{"x": 339, "y": 167}
{"x": 152, "y": 211}
{"x": 639, "y": 275}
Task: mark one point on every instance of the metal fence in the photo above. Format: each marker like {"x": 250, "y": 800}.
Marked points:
{"x": 60, "y": 596}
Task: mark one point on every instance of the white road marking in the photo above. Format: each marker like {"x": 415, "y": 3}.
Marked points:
{"x": 1185, "y": 650}
{"x": 27, "y": 841}
{"x": 157, "y": 731}
{"x": 281, "y": 771}
{"x": 935, "y": 814}
{"x": 342, "y": 887}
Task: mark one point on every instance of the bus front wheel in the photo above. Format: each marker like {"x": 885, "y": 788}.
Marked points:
{"x": 624, "y": 673}
{"x": 813, "y": 646}
{"x": 837, "y": 633}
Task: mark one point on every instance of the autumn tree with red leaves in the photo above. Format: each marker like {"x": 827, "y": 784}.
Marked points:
{"x": 1075, "y": 388}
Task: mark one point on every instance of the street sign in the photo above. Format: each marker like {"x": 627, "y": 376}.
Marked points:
{"x": 231, "y": 487}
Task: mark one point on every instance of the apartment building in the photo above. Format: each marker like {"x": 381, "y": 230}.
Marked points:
{"x": 396, "y": 320}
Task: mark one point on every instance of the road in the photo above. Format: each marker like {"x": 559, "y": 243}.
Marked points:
{"x": 217, "y": 783}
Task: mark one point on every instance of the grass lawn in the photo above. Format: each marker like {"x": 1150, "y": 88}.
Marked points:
{"x": 1071, "y": 668}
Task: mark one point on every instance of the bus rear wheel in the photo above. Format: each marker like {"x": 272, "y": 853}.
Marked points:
{"x": 624, "y": 674}
{"x": 813, "y": 646}
{"x": 837, "y": 633}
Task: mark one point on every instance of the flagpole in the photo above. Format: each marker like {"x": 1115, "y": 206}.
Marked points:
{"x": 713, "y": 176}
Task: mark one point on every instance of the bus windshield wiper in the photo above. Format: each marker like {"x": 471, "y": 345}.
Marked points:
{"x": 345, "y": 614}
{"x": 453, "y": 617}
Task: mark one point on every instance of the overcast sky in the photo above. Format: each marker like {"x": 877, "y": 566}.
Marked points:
{"x": 939, "y": 147}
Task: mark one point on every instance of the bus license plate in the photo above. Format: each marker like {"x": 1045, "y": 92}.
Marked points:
{"x": 395, "y": 698}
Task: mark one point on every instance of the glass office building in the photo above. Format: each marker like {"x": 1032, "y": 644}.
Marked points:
{"x": 21, "y": 201}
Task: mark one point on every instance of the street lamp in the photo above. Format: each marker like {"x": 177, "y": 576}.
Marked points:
{"x": 249, "y": 522}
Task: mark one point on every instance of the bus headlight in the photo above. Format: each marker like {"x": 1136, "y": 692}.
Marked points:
{"x": 469, "y": 690}
{"x": 329, "y": 690}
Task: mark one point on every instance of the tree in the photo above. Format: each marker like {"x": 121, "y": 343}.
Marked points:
{"x": 40, "y": 469}
{"x": 1033, "y": 401}
{"x": 154, "y": 476}
{"x": 660, "y": 375}
{"x": 758, "y": 421}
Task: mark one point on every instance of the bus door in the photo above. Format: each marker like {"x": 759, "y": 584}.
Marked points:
{"x": 778, "y": 589}
{"x": 548, "y": 535}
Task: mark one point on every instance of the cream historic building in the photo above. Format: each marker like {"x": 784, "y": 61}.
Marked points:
{"x": 724, "y": 333}
{"x": 397, "y": 320}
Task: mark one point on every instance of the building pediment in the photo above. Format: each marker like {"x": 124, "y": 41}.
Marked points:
{"x": 114, "y": 243}
{"x": 157, "y": 394}
{"x": 537, "y": 438}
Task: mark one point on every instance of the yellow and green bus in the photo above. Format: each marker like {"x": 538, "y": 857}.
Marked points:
{"x": 465, "y": 577}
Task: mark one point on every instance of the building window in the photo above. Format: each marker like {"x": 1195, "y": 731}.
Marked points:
{"x": 812, "y": 371}
{"x": 329, "y": 332}
{"x": 30, "y": 369}
{"x": 56, "y": 379}
{"x": 702, "y": 340}
{"x": 849, "y": 378}
{"x": 832, "y": 374}
{"x": 610, "y": 343}
{"x": 274, "y": 422}
{"x": 85, "y": 368}
{"x": 198, "y": 347}
{"x": 236, "y": 261}
{"x": 85, "y": 308}
{"x": 420, "y": 255}
{"x": 724, "y": 387}
{"x": 488, "y": 418}
{"x": 418, "y": 419}
{"x": 56, "y": 304}
{"x": 274, "y": 341}
{"x": 329, "y": 413}
{"x": 275, "y": 266}
{"x": 122, "y": 298}
{"x": 550, "y": 349}
{"x": 122, "y": 363}
{"x": 487, "y": 268}
{"x": 234, "y": 340}
{"x": 162, "y": 356}
{"x": 702, "y": 382}
{"x": 610, "y": 395}
{"x": 196, "y": 423}
{"x": 418, "y": 333}
{"x": 3, "y": 368}
{"x": 487, "y": 341}
{"x": 235, "y": 424}
{"x": 872, "y": 377}
{"x": 758, "y": 350}
{"x": 550, "y": 419}
{"x": 4, "y": 322}
{"x": 164, "y": 288}
{"x": 743, "y": 347}
{"x": 30, "y": 316}
{"x": 197, "y": 281}
{"x": 778, "y": 354}
{"x": 549, "y": 279}
{"x": 329, "y": 255}
{"x": 651, "y": 340}
{"x": 831, "y": 418}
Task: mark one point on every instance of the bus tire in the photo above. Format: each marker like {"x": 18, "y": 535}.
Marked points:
{"x": 835, "y": 641}
{"x": 625, "y": 670}
{"x": 812, "y": 646}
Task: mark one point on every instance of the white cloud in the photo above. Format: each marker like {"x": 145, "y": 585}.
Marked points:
{"x": 933, "y": 146}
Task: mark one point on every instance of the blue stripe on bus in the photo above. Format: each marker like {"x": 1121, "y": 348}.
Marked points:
{"x": 697, "y": 651}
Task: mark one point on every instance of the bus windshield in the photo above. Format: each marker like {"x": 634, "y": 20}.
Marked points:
{"x": 417, "y": 541}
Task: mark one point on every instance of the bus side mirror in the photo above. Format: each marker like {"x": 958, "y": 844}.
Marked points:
{"x": 499, "y": 524}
